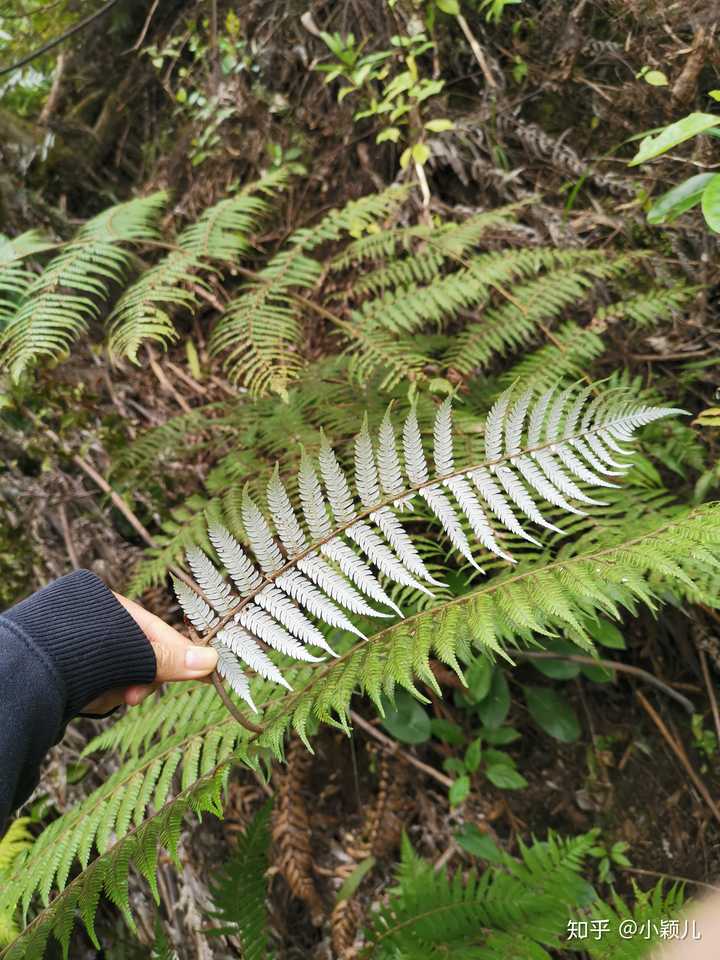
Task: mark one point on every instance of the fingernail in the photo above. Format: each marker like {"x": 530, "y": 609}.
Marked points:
{"x": 200, "y": 658}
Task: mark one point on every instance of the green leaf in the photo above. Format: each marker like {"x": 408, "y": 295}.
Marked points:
{"x": 505, "y": 776}
{"x": 479, "y": 677}
{"x": 459, "y": 790}
{"x": 473, "y": 755}
{"x": 656, "y": 78}
{"x": 448, "y": 731}
{"x": 674, "y": 134}
{"x": 496, "y": 705}
{"x": 439, "y": 126}
{"x": 598, "y": 674}
{"x": 405, "y": 158}
{"x": 605, "y": 633}
{"x": 553, "y": 713}
{"x": 454, "y": 766}
{"x": 406, "y": 720}
{"x": 478, "y": 844}
{"x": 558, "y": 669}
{"x": 389, "y": 133}
{"x": 681, "y": 198}
{"x": 352, "y": 882}
{"x": 448, "y": 6}
{"x": 501, "y": 736}
{"x": 715, "y": 94}
{"x": 193, "y": 359}
{"x": 711, "y": 203}
{"x": 420, "y": 154}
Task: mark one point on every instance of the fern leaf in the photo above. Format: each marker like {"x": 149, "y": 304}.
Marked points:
{"x": 532, "y": 445}
{"x": 58, "y": 305}
{"x": 260, "y": 332}
{"x": 239, "y": 889}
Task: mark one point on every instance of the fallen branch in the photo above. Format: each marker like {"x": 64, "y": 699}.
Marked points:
{"x": 392, "y": 746}
{"x": 610, "y": 665}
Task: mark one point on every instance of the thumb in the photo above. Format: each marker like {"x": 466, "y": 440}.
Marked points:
{"x": 177, "y": 658}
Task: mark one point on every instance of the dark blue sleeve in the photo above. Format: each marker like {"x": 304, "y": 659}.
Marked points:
{"x": 59, "y": 650}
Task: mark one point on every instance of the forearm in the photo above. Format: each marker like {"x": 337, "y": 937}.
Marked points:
{"x": 59, "y": 650}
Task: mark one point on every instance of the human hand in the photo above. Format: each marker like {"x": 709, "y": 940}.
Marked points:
{"x": 177, "y": 659}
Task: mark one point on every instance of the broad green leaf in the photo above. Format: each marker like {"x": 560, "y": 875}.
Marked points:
{"x": 439, "y": 126}
{"x": 389, "y": 133}
{"x": 496, "y": 705}
{"x": 505, "y": 776}
{"x": 558, "y": 669}
{"x": 501, "y": 736}
{"x": 553, "y": 713}
{"x": 708, "y": 418}
{"x": 420, "y": 153}
{"x": 448, "y": 6}
{"x": 406, "y": 720}
{"x": 656, "y": 78}
{"x": 681, "y": 198}
{"x": 473, "y": 755}
{"x": 606, "y": 634}
{"x": 674, "y": 134}
{"x": 459, "y": 790}
{"x": 479, "y": 677}
{"x": 478, "y": 844}
{"x": 598, "y": 674}
{"x": 448, "y": 731}
{"x": 711, "y": 203}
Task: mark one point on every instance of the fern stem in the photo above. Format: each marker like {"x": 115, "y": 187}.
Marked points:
{"x": 230, "y": 706}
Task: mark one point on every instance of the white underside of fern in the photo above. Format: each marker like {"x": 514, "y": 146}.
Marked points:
{"x": 335, "y": 555}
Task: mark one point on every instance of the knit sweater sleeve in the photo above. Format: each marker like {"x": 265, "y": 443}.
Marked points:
{"x": 59, "y": 650}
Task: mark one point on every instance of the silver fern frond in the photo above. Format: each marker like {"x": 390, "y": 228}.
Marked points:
{"x": 337, "y": 555}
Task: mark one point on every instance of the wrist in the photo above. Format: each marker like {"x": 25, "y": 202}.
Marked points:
{"x": 89, "y": 637}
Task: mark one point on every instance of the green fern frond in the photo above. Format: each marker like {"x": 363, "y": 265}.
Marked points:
{"x": 650, "y": 913}
{"x": 650, "y": 308}
{"x": 512, "y": 910}
{"x": 223, "y": 231}
{"x": 15, "y": 278}
{"x": 16, "y": 840}
{"x": 260, "y": 332}
{"x": 220, "y": 234}
{"x": 537, "y": 302}
{"x": 566, "y": 359}
{"x": 58, "y": 305}
{"x": 142, "y": 315}
{"x": 374, "y": 351}
{"x": 123, "y": 803}
{"x": 437, "y": 246}
{"x": 239, "y": 889}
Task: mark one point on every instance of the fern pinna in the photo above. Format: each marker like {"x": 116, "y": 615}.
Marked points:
{"x": 351, "y": 542}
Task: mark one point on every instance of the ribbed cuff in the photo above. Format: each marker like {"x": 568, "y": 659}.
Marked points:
{"x": 90, "y": 638}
